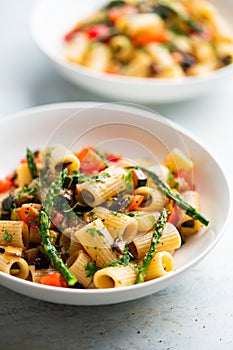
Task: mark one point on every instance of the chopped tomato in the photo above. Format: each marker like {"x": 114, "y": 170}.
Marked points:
{"x": 111, "y": 71}
{"x": 5, "y": 185}
{"x": 116, "y": 13}
{"x": 84, "y": 151}
{"x": 147, "y": 38}
{"x": 113, "y": 157}
{"x": 90, "y": 161}
{"x": 135, "y": 201}
{"x": 56, "y": 218}
{"x": 89, "y": 168}
{"x": 183, "y": 177}
{"x": 174, "y": 215}
{"x": 68, "y": 36}
{"x": 54, "y": 279}
{"x": 98, "y": 31}
{"x": 30, "y": 214}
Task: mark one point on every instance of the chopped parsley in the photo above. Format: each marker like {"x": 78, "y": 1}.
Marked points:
{"x": 91, "y": 269}
{"x": 102, "y": 177}
{"x": 124, "y": 260}
{"x": 116, "y": 213}
{"x": 31, "y": 163}
{"x": 26, "y": 190}
{"x": 7, "y": 236}
{"x": 93, "y": 231}
{"x": 128, "y": 181}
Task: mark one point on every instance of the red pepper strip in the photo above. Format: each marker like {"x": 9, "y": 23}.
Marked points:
{"x": 98, "y": 31}
{"x": 54, "y": 279}
{"x": 135, "y": 201}
{"x": 5, "y": 185}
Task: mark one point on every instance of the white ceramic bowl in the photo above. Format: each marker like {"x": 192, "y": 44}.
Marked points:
{"x": 51, "y": 19}
{"x": 134, "y": 133}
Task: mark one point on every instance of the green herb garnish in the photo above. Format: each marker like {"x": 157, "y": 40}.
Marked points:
{"x": 31, "y": 163}
{"x": 7, "y": 236}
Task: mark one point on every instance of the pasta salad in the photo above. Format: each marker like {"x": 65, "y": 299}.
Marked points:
{"x": 151, "y": 39}
{"x": 92, "y": 219}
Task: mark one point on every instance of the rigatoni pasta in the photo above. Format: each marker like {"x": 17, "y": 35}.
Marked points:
{"x": 89, "y": 219}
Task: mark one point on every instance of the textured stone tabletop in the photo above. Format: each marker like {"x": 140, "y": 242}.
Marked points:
{"x": 194, "y": 313}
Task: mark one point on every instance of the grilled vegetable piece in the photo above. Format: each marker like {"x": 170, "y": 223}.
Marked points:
{"x": 159, "y": 226}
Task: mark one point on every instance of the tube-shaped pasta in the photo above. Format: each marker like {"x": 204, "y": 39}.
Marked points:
{"x": 139, "y": 66}
{"x": 59, "y": 157}
{"x": 14, "y": 266}
{"x": 118, "y": 224}
{"x": 153, "y": 199}
{"x": 202, "y": 68}
{"x": 37, "y": 274}
{"x": 204, "y": 9}
{"x": 94, "y": 192}
{"x": 97, "y": 242}
{"x": 68, "y": 242}
{"x": 142, "y": 23}
{"x": 145, "y": 220}
{"x": 115, "y": 276}
{"x": 161, "y": 264}
{"x": 14, "y": 233}
{"x": 203, "y": 51}
{"x": 224, "y": 51}
{"x": 169, "y": 240}
{"x": 161, "y": 170}
{"x": 160, "y": 55}
{"x": 76, "y": 48}
{"x": 98, "y": 57}
{"x": 79, "y": 268}
{"x": 12, "y": 251}
{"x": 188, "y": 225}
{"x": 174, "y": 71}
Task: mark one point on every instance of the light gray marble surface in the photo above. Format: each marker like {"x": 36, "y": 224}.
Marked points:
{"x": 196, "y": 312}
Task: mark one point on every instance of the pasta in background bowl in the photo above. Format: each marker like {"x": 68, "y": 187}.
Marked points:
{"x": 136, "y": 134}
{"x": 195, "y": 64}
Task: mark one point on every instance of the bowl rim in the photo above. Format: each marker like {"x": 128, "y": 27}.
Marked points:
{"x": 146, "y": 285}
{"x": 111, "y": 78}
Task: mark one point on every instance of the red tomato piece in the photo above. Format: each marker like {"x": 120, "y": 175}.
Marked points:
{"x": 68, "y": 36}
{"x": 54, "y": 279}
{"x": 113, "y": 157}
{"x": 174, "y": 216}
{"x": 147, "y": 38}
{"x": 91, "y": 162}
{"x": 183, "y": 177}
{"x": 56, "y": 218}
{"x": 98, "y": 31}
{"x": 30, "y": 214}
{"x": 84, "y": 151}
{"x": 5, "y": 185}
